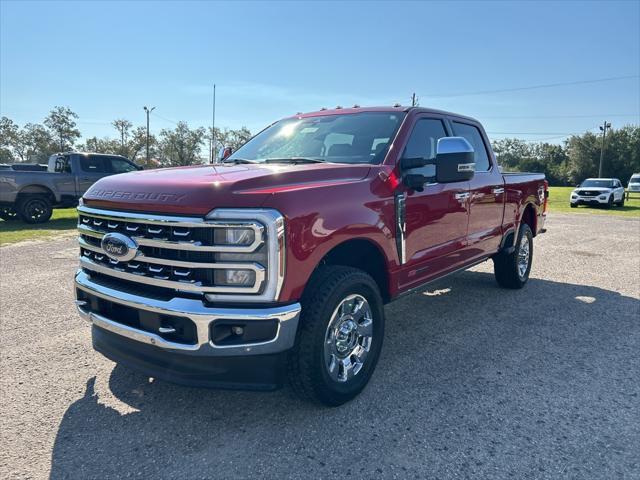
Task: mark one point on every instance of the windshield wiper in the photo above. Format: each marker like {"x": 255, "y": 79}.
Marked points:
{"x": 239, "y": 160}
{"x": 294, "y": 160}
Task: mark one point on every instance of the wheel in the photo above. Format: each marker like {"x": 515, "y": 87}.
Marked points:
{"x": 512, "y": 270}
{"x": 339, "y": 338}
{"x": 34, "y": 209}
{"x": 573, "y": 205}
{"x": 609, "y": 203}
{"x": 8, "y": 214}
{"x": 621, "y": 202}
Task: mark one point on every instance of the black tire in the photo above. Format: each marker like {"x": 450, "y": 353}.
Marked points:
{"x": 621, "y": 202}
{"x": 34, "y": 208}
{"x": 573, "y": 205}
{"x": 506, "y": 266}
{"x": 8, "y": 214}
{"x": 609, "y": 203}
{"x": 308, "y": 365}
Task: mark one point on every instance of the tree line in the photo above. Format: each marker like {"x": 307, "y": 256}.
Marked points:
{"x": 569, "y": 163}
{"x": 179, "y": 146}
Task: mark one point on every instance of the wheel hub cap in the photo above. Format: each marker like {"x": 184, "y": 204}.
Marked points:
{"x": 523, "y": 256}
{"x": 348, "y": 338}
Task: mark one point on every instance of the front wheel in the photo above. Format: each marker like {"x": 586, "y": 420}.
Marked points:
{"x": 339, "y": 338}
{"x": 512, "y": 270}
{"x": 609, "y": 203}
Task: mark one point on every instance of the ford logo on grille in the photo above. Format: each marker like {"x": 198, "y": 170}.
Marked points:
{"x": 119, "y": 247}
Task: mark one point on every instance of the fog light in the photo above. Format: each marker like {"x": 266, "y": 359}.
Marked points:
{"x": 237, "y": 330}
{"x": 232, "y": 277}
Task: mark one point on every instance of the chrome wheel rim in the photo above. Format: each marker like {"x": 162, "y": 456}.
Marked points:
{"x": 523, "y": 256}
{"x": 348, "y": 338}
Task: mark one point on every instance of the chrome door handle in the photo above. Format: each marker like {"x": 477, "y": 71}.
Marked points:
{"x": 497, "y": 191}
{"x": 462, "y": 196}
{"x": 167, "y": 330}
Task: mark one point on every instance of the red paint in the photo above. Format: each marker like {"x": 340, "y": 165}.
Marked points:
{"x": 328, "y": 204}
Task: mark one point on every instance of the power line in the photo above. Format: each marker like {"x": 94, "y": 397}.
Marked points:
{"x": 165, "y": 118}
{"x": 533, "y": 87}
{"x": 525, "y": 117}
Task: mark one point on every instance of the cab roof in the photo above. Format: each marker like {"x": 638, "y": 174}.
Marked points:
{"x": 389, "y": 109}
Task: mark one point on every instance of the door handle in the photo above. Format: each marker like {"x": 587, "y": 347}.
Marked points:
{"x": 497, "y": 191}
{"x": 462, "y": 196}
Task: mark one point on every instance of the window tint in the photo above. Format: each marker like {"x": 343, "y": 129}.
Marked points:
{"x": 92, "y": 164}
{"x": 118, "y": 165}
{"x": 473, "y": 136}
{"x": 423, "y": 143}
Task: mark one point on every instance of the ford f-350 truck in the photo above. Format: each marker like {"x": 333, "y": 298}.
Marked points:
{"x": 276, "y": 263}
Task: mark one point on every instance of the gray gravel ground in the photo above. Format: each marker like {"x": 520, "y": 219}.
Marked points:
{"x": 473, "y": 382}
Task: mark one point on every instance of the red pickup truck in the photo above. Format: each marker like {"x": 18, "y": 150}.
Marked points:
{"x": 276, "y": 262}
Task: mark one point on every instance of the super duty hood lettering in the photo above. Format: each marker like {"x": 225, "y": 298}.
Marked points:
{"x": 124, "y": 195}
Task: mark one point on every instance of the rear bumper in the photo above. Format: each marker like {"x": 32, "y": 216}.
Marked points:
{"x": 127, "y": 328}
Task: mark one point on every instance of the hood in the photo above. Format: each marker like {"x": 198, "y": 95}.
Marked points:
{"x": 593, "y": 189}
{"x": 198, "y": 190}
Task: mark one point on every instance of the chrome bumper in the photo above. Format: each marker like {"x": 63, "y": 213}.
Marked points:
{"x": 199, "y": 314}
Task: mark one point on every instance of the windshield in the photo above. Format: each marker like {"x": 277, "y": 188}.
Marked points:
{"x": 346, "y": 138}
{"x": 597, "y": 183}
{"x": 635, "y": 179}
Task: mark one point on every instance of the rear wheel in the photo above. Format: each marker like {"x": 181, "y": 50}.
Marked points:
{"x": 35, "y": 208}
{"x": 512, "y": 270}
{"x": 8, "y": 214}
{"x": 339, "y": 338}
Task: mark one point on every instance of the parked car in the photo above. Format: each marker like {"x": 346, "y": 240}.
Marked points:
{"x": 634, "y": 184}
{"x": 598, "y": 191}
{"x": 31, "y": 194}
{"x": 281, "y": 258}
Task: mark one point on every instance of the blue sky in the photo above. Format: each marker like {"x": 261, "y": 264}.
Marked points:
{"x": 106, "y": 60}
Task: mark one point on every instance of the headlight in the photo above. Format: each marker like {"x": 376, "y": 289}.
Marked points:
{"x": 573, "y": 195}
{"x": 250, "y": 254}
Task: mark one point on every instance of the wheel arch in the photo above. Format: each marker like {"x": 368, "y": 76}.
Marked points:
{"x": 35, "y": 189}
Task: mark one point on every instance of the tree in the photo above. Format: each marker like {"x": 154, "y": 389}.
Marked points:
{"x": 122, "y": 126}
{"x": 9, "y": 134}
{"x": 181, "y": 146}
{"x": 61, "y": 123}
{"x": 35, "y": 143}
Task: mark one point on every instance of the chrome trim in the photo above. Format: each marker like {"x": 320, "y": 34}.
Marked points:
{"x": 401, "y": 227}
{"x": 497, "y": 191}
{"x": 276, "y": 254}
{"x": 462, "y": 196}
{"x": 202, "y": 316}
{"x": 183, "y": 286}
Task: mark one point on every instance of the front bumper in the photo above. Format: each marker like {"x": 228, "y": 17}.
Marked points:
{"x": 583, "y": 200}
{"x": 201, "y": 361}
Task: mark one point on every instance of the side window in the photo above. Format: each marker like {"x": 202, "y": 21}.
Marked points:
{"x": 473, "y": 136}
{"x": 118, "y": 165}
{"x": 92, "y": 164}
{"x": 423, "y": 142}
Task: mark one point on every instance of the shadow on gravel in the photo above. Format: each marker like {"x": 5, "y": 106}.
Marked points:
{"x": 473, "y": 381}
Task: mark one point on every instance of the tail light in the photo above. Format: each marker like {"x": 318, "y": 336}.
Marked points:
{"x": 546, "y": 197}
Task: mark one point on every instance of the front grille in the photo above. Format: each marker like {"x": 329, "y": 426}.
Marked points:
{"x": 182, "y": 254}
{"x": 588, "y": 193}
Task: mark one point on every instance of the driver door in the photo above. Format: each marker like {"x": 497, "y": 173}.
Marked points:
{"x": 436, "y": 219}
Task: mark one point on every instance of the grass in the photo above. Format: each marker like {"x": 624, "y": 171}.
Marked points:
{"x": 559, "y": 202}
{"x": 62, "y": 220}
{"x": 65, "y": 220}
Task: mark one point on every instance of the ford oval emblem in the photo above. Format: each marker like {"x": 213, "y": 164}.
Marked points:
{"x": 119, "y": 247}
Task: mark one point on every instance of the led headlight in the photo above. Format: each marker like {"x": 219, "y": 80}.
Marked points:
{"x": 234, "y": 236}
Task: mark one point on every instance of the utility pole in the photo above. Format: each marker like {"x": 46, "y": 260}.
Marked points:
{"x": 213, "y": 127}
{"x": 603, "y": 128}
{"x": 148, "y": 111}
{"x": 414, "y": 100}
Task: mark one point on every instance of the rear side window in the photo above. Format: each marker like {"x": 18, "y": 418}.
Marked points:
{"x": 423, "y": 142}
{"x": 119, "y": 165}
{"x": 93, "y": 164}
{"x": 473, "y": 136}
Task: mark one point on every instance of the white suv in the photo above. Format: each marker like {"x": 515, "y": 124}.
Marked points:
{"x": 598, "y": 191}
{"x": 634, "y": 183}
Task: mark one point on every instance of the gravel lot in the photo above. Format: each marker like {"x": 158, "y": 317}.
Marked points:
{"x": 474, "y": 381}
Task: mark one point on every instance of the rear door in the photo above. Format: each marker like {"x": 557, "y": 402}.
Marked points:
{"x": 487, "y": 193}
{"x": 436, "y": 218}
{"x": 92, "y": 169}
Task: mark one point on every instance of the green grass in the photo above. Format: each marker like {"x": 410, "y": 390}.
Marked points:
{"x": 559, "y": 202}
{"x": 62, "y": 220}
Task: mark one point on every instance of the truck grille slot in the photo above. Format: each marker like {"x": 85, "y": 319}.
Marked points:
{"x": 176, "y": 253}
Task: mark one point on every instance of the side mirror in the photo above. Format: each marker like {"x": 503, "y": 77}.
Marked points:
{"x": 455, "y": 161}
{"x": 224, "y": 153}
